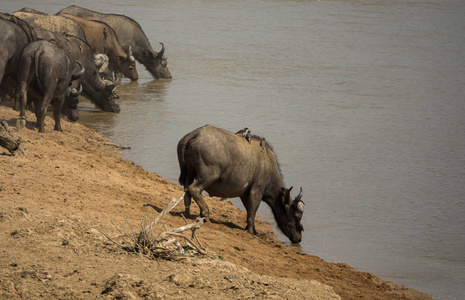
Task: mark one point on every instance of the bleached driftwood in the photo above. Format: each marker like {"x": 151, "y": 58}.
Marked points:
{"x": 109, "y": 144}
{"x": 164, "y": 243}
{"x": 172, "y": 204}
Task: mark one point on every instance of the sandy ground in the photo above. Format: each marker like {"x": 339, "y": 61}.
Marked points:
{"x": 68, "y": 187}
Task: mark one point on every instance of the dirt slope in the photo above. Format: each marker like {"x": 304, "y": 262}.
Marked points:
{"x": 69, "y": 186}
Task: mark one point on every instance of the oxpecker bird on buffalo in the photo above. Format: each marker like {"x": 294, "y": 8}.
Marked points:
{"x": 225, "y": 165}
{"x": 248, "y": 136}
{"x": 242, "y": 131}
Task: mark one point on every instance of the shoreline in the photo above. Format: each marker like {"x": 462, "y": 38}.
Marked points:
{"x": 72, "y": 185}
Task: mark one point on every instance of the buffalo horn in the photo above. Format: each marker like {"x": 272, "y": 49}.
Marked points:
{"x": 131, "y": 57}
{"x": 162, "y": 51}
{"x": 80, "y": 73}
{"x": 299, "y": 196}
{"x": 75, "y": 93}
{"x": 112, "y": 85}
{"x": 101, "y": 59}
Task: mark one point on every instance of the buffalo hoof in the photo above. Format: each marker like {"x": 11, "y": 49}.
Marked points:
{"x": 251, "y": 231}
{"x": 20, "y": 123}
{"x": 205, "y": 213}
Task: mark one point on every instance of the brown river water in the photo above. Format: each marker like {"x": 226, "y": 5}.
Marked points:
{"x": 363, "y": 102}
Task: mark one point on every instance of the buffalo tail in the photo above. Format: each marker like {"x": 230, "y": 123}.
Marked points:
{"x": 37, "y": 55}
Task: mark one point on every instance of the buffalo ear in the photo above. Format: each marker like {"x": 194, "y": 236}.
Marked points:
{"x": 148, "y": 54}
{"x": 283, "y": 196}
{"x": 300, "y": 206}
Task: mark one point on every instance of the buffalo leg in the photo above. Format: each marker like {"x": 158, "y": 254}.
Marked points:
{"x": 195, "y": 190}
{"x": 40, "y": 114}
{"x": 3, "y": 86}
{"x": 37, "y": 105}
{"x": 187, "y": 196}
{"x": 21, "y": 98}
{"x": 41, "y": 110}
{"x": 187, "y": 204}
{"x": 251, "y": 203}
{"x": 57, "y": 112}
{"x": 24, "y": 78}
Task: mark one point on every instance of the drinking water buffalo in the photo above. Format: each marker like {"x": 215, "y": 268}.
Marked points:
{"x": 99, "y": 91}
{"x": 44, "y": 65}
{"x": 53, "y": 23}
{"x": 225, "y": 165}
{"x": 102, "y": 40}
{"x": 129, "y": 33}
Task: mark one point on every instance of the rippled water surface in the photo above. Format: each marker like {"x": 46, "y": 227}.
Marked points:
{"x": 363, "y": 102}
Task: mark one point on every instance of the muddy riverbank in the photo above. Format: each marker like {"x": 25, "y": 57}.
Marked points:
{"x": 70, "y": 186}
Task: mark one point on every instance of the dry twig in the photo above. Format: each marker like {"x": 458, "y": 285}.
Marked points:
{"x": 163, "y": 243}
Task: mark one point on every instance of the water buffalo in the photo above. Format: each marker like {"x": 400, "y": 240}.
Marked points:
{"x": 129, "y": 33}
{"x": 226, "y": 165}
{"x": 102, "y": 40}
{"x": 53, "y": 23}
{"x": 12, "y": 46}
{"x": 99, "y": 91}
{"x": 15, "y": 34}
{"x": 45, "y": 66}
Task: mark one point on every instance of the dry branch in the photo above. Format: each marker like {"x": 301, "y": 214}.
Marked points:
{"x": 173, "y": 202}
{"x": 109, "y": 144}
{"x": 165, "y": 243}
{"x": 9, "y": 139}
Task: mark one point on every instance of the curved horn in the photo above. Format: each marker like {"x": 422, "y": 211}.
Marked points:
{"x": 131, "y": 57}
{"x": 299, "y": 196}
{"x": 110, "y": 85}
{"x": 117, "y": 78}
{"x": 80, "y": 73}
{"x": 101, "y": 61}
{"x": 75, "y": 93}
{"x": 162, "y": 51}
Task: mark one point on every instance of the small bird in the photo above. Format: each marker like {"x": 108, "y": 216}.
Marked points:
{"x": 248, "y": 136}
{"x": 262, "y": 143}
{"x": 242, "y": 131}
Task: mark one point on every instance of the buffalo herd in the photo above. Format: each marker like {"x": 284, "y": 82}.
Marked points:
{"x": 48, "y": 59}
